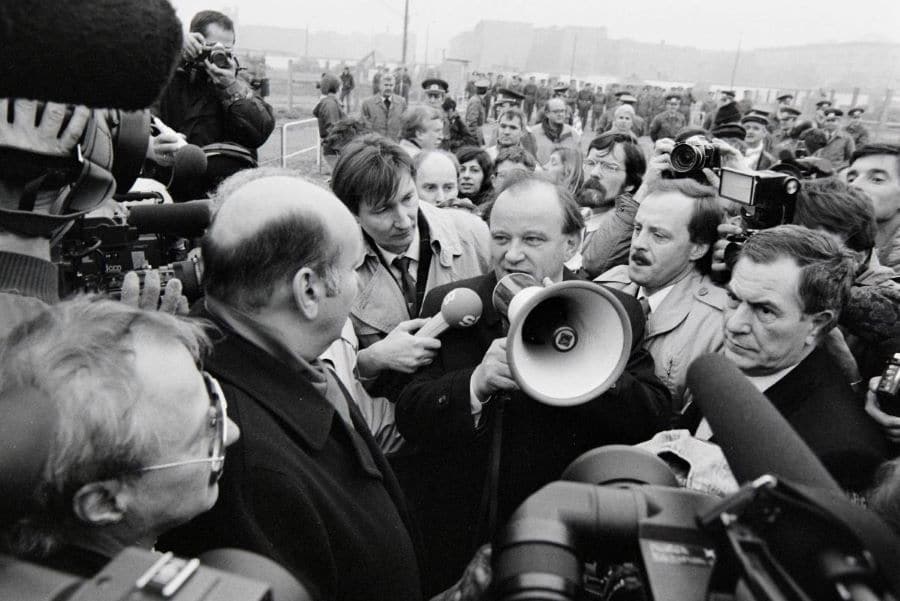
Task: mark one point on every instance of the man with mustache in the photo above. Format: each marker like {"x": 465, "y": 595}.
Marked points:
{"x": 668, "y": 271}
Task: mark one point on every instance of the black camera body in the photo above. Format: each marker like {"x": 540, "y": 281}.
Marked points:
{"x": 888, "y": 390}
{"x": 96, "y": 253}
{"x": 768, "y": 199}
{"x": 216, "y": 54}
{"x": 689, "y": 159}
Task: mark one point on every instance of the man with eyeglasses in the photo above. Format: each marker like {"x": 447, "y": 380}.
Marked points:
{"x": 614, "y": 167}
{"x": 133, "y": 433}
{"x": 839, "y": 146}
{"x": 553, "y": 131}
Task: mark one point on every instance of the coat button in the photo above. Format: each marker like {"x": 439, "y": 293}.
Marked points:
{"x": 703, "y": 291}
{"x": 442, "y": 400}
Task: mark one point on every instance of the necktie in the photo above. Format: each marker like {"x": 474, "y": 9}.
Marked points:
{"x": 387, "y": 104}
{"x": 407, "y": 282}
{"x": 645, "y": 306}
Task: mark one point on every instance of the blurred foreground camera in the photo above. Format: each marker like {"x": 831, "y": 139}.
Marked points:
{"x": 689, "y": 159}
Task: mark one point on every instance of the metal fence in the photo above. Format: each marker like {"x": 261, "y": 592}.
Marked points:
{"x": 317, "y": 147}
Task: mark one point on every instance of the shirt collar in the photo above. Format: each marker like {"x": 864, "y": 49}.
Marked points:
{"x": 412, "y": 252}
{"x": 655, "y": 299}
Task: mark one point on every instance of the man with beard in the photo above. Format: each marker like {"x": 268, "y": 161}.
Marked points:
{"x": 553, "y": 131}
{"x": 616, "y": 163}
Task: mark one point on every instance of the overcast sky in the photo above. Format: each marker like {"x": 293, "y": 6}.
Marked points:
{"x": 713, "y": 24}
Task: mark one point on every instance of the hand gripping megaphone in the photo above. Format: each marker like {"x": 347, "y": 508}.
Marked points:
{"x": 567, "y": 342}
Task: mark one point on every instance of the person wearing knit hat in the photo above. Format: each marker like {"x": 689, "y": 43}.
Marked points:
{"x": 839, "y": 146}
{"x": 726, "y": 103}
{"x": 855, "y": 128}
{"x": 756, "y": 127}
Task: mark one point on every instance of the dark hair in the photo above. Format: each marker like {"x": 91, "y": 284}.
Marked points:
{"x": 635, "y": 163}
{"x": 814, "y": 139}
{"x": 343, "y": 132}
{"x": 515, "y": 154}
{"x": 884, "y": 496}
{"x": 448, "y": 104}
{"x": 705, "y": 218}
{"x": 370, "y": 169}
{"x": 826, "y": 269}
{"x": 514, "y": 112}
{"x": 878, "y": 149}
{"x": 205, "y": 18}
{"x": 474, "y": 153}
{"x": 573, "y": 220}
{"x": 832, "y": 205}
{"x": 329, "y": 84}
{"x": 245, "y": 275}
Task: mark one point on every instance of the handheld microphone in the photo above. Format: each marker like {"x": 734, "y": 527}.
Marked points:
{"x": 461, "y": 308}
{"x": 755, "y": 438}
{"x": 188, "y": 219}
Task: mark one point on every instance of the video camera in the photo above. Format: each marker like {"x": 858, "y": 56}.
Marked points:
{"x": 97, "y": 252}
{"x": 767, "y": 198}
{"x": 792, "y": 536}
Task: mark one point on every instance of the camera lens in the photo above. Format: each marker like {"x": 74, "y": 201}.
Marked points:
{"x": 685, "y": 158}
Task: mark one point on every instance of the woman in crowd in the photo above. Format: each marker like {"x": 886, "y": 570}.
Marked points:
{"x": 475, "y": 170}
{"x": 565, "y": 167}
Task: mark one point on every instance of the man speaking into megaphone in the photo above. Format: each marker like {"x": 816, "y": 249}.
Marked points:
{"x": 452, "y": 408}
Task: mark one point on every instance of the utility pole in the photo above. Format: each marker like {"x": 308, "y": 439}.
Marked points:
{"x": 572, "y": 66}
{"x": 405, "y": 28}
{"x": 737, "y": 57}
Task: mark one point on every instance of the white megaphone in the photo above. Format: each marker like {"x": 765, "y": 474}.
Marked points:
{"x": 567, "y": 342}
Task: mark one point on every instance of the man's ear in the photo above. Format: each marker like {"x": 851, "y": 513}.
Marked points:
{"x": 821, "y": 323}
{"x": 573, "y": 243}
{"x": 308, "y": 291}
{"x": 101, "y": 503}
{"x": 698, "y": 250}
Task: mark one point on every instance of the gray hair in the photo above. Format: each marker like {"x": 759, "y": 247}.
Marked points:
{"x": 79, "y": 356}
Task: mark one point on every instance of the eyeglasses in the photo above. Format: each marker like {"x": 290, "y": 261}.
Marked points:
{"x": 557, "y": 111}
{"x": 604, "y": 165}
{"x": 218, "y": 420}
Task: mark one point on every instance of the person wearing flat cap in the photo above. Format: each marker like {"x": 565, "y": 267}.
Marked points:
{"x": 755, "y": 126}
{"x": 820, "y": 112}
{"x": 787, "y": 119}
{"x": 855, "y": 128}
{"x": 668, "y": 123}
{"x": 839, "y": 146}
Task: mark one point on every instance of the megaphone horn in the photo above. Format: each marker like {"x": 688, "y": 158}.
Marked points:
{"x": 567, "y": 342}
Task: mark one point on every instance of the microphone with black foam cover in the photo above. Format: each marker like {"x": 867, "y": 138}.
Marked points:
{"x": 98, "y": 53}
{"x": 251, "y": 565}
{"x": 755, "y": 438}
{"x": 188, "y": 178}
{"x": 187, "y": 219}
{"x": 461, "y": 308}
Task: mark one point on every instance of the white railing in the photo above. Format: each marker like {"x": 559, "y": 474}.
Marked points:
{"x": 317, "y": 147}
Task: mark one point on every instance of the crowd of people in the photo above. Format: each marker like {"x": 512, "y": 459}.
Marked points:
{"x": 299, "y": 413}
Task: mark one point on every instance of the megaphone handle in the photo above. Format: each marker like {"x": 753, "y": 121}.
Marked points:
{"x": 489, "y": 502}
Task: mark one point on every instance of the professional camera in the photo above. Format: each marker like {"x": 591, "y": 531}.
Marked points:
{"x": 689, "y": 159}
{"x": 216, "y": 54}
{"x": 768, "y": 199}
{"x": 97, "y": 252}
{"x": 888, "y": 391}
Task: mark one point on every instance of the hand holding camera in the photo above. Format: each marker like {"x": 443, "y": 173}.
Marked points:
{"x": 883, "y": 402}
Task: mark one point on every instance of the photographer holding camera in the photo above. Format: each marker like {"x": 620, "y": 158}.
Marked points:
{"x": 208, "y": 100}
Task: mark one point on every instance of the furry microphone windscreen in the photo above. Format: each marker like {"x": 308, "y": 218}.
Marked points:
{"x": 99, "y": 53}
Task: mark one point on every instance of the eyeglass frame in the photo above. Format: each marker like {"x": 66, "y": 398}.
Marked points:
{"x": 219, "y": 406}
{"x": 604, "y": 166}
